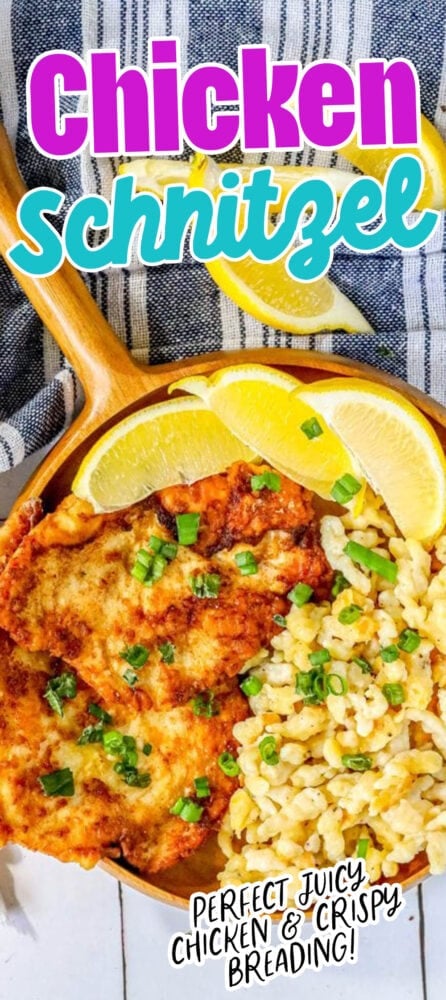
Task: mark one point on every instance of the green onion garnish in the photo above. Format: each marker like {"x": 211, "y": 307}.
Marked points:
{"x": 149, "y": 567}
{"x": 345, "y": 488}
{"x": 167, "y": 652}
{"x": 362, "y": 847}
{"x": 113, "y": 742}
{"x": 137, "y": 656}
{"x": 58, "y": 782}
{"x": 202, "y": 789}
{"x": 187, "y": 528}
{"x": 336, "y": 684}
{"x": 319, "y": 657}
{"x": 130, "y": 677}
{"x": 251, "y": 686}
{"x": 247, "y": 563}
{"x": 58, "y": 688}
{"x": 300, "y": 594}
{"x": 279, "y": 620}
{"x": 130, "y": 774}
{"x": 311, "y": 428}
{"x": 91, "y": 734}
{"x": 409, "y": 640}
{"x": 356, "y": 761}
{"x": 350, "y": 614}
{"x": 340, "y": 583}
{"x": 371, "y": 560}
{"x": 204, "y": 704}
{"x": 147, "y": 749}
{"x": 228, "y": 764}
{"x": 389, "y": 653}
{"x": 205, "y": 585}
{"x": 99, "y": 713}
{"x": 394, "y": 693}
{"x": 268, "y": 750}
{"x": 363, "y": 664}
{"x": 187, "y": 810}
{"x": 266, "y": 481}
{"x": 163, "y": 548}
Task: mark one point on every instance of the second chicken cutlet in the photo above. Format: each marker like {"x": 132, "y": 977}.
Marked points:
{"x": 149, "y": 616}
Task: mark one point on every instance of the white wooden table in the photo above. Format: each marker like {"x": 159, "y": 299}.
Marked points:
{"x": 67, "y": 934}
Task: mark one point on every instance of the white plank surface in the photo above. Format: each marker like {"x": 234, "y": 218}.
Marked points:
{"x": 434, "y": 907}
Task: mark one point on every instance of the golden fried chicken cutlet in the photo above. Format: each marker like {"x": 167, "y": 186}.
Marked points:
{"x": 92, "y": 589}
{"x": 82, "y": 801}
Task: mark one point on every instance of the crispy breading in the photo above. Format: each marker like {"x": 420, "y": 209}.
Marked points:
{"x": 105, "y": 817}
{"x": 69, "y": 590}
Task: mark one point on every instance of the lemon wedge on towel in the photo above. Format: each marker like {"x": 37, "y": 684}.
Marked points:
{"x": 261, "y": 407}
{"x": 395, "y": 445}
{"x": 178, "y": 441}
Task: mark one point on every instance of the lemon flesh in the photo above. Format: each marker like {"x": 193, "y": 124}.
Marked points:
{"x": 432, "y": 152}
{"x": 394, "y": 444}
{"x": 261, "y": 407}
{"x": 179, "y": 441}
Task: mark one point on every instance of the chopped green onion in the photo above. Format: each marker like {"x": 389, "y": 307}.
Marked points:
{"x": 362, "y": 847}
{"x": 340, "y": 583}
{"x": 409, "y": 640}
{"x": 371, "y": 560}
{"x": 228, "y": 764}
{"x": 356, "y": 761}
{"x": 187, "y": 810}
{"x": 137, "y": 656}
{"x": 319, "y": 657}
{"x": 389, "y": 653}
{"x": 148, "y": 568}
{"x": 202, "y": 789}
{"x": 58, "y": 782}
{"x": 91, "y": 734}
{"x": 280, "y": 620}
{"x": 130, "y": 774}
{"x": 163, "y": 548}
{"x": 311, "y": 428}
{"x": 341, "y": 684}
{"x": 187, "y": 528}
{"x": 167, "y": 652}
{"x": 251, "y": 686}
{"x": 363, "y": 664}
{"x": 345, "y": 488}
{"x": 147, "y": 749}
{"x": 156, "y": 571}
{"x": 58, "y": 688}
{"x": 266, "y": 480}
{"x": 247, "y": 563}
{"x": 349, "y": 614}
{"x": 144, "y": 557}
{"x": 113, "y": 742}
{"x": 99, "y": 712}
{"x": 268, "y": 750}
{"x": 205, "y": 585}
{"x": 130, "y": 677}
{"x": 139, "y": 572}
{"x": 205, "y": 704}
{"x": 394, "y": 693}
{"x": 300, "y": 594}
{"x": 177, "y": 806}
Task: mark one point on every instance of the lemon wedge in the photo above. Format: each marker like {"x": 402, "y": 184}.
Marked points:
{"x": 261, "y": 407}
{"x": 432, "y": 151}
{"x": 394, "y": 444}
{"x": 178, "y": 441}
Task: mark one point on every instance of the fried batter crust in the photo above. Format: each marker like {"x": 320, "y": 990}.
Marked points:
{"x": 68, "y": 588}
{"x": 105, "y": 817}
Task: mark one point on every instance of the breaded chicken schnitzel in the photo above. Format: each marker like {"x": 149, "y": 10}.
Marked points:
{"x": 82, "y": 801}
{"x": 92, "y": 589}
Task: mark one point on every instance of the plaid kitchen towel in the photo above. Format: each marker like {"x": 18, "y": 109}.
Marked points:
{"x": 175, "y": 310}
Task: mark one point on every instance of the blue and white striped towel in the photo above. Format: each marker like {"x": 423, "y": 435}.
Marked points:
{"x": 175, "y": 310}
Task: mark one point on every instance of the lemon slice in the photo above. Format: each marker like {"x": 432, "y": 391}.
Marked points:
{"x": 395, "y": 445}
{"x": 178, "y": 441}
{"x": 432, "y": 151}
{"x": 260, "y": 406}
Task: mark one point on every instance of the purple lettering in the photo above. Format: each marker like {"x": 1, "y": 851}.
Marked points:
{"x": 267, "y": 89}
{"x": 388, "y": 103}
{"x": 327, "y": 104}
{"x": 204, "y": 86}
{"x": 165, "y": 104}
{"x": 108, "y": 87}
{"x": 52, "y": 75}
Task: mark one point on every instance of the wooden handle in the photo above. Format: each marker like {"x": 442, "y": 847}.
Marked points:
{"x": 65, "y": 305}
